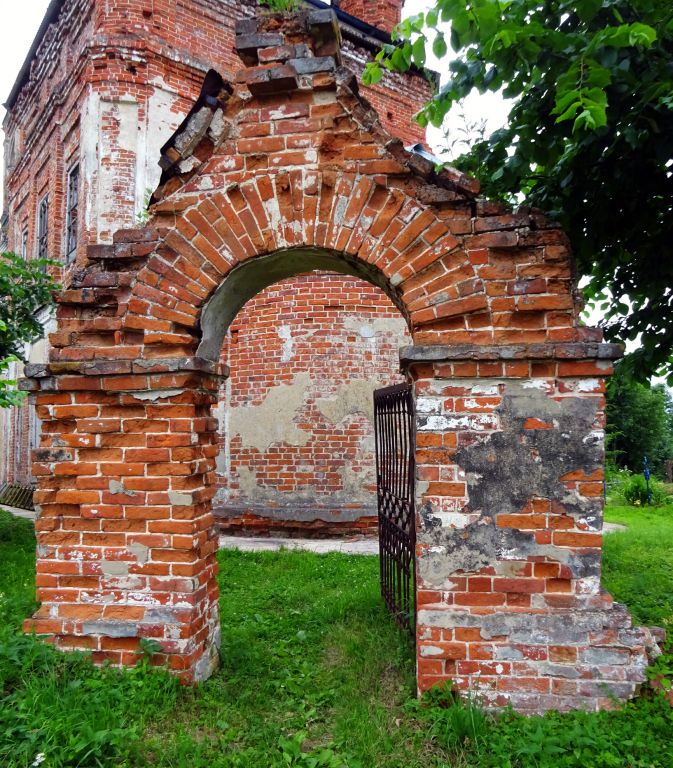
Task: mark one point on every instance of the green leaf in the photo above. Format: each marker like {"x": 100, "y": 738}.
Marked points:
{"x": 439, "y": 47}
{"x": 642, "y": 34}
{"x": 456, "y": 42}
{"x": 565, "y": 100}
{"x": 570, "y": 112}
{"x": 418, "y": 52}
{"x": 400, "y": 59}
{"x": 372, "y": 73}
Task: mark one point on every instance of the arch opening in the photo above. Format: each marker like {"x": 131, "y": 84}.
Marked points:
{"x": 296, "y": 449}
{"x": 254, "y": 275}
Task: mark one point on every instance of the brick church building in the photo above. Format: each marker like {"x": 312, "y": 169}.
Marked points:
{"x": 102, "y": 89}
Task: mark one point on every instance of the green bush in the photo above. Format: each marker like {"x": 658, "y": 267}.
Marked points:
{"x": 634, "y": 492}
{"x": 281, "y": 6}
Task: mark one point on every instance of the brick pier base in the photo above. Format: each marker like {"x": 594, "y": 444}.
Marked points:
{"x": 126, "y": 541}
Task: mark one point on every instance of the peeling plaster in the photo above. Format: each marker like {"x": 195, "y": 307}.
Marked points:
{"x": 371, "y": 328}
{"x": 351, "y": 398}
{"x": 156, "y": 394}
{"x": 285, "y": 333}
{"x": 303, "y": 506}
{"x": 114, "y": 567}
{"x": 89, "y": 153}
{"x": 160, "y": 124}
{"x": 260, "y": 426}
{"x": 140, "y": 552}
{"x": 178, "y": 499}
{"x": 354, "y": 482}
{"x": 504, "y": 471}
{"x": 117, "y": 487}
{"x": 110, "y": 199}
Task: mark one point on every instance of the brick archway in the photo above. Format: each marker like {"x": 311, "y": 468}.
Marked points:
{"x": 293, "y": 169}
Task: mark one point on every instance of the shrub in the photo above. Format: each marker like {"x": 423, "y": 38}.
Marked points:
{"x": 634, "y": 491}
{"x": 281, "y": 6}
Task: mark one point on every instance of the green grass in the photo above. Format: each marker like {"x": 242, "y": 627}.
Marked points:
{"x": 313, "y": 674}
{"x": 638, "y": 563}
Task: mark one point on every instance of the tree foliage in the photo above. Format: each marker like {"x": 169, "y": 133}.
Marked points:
{"x": 25, "y": 288}
{"x": 589, "y": 137}
{"x": 639, "y": 422}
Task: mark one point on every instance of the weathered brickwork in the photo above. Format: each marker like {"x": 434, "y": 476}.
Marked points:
{"x": 508, "y": 384}
{"x": 297, "y": 440}
{"x": 108, "y": 85}
{"x": 126, "y": 74}
{"x": 510, "y": 493}
{"x": 384, "y": 14}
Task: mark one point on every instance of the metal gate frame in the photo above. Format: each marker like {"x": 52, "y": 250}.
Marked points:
{"x": 395, "y": 436}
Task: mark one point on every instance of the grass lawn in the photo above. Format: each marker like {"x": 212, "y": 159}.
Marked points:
{"x": 313, "y": 674}
{"x": 638, "y": 563}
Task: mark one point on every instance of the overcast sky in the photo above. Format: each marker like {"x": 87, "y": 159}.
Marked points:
{"x": 19, "y": 23}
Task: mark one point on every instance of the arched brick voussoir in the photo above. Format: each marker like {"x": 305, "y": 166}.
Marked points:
{"x": 434, "y": 273}
{"x": 356, "y": 220}
{"x": 487, "y": 274}
{"x": 339, "y": 212}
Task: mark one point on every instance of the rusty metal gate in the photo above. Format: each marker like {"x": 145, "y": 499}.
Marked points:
{"x": 394, "y": 426}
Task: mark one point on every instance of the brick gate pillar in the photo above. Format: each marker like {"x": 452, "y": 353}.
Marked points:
{"x": 126, "y": 543}
{"x": 510, "y": 514}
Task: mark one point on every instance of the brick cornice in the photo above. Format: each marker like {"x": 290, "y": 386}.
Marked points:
{"x": 563, "y": 351}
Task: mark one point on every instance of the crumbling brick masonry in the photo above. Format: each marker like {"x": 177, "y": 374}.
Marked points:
{"x": 509, "y": 388}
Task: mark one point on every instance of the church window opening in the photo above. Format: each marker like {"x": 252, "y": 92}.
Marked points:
{"x": 71, "y": 213}
{"x": 43, "y": 228}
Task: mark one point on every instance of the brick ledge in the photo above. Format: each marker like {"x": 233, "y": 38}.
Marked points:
{"x": 549, "y": 351}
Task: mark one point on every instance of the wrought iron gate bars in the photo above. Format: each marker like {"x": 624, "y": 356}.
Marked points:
{"x": 394, "y": 428}
{"x": 15, "y": 495}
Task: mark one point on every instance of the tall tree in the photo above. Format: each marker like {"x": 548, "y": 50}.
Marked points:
{"x": 589, "y": 137}
{"x": 25, "y": 288}
{"x": 639, "y": 422}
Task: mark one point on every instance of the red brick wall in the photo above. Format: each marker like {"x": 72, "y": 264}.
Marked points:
{"x": 509, "y": 412}
{"x": 384, "y": 14}
{"x": 297, "y": 436}
{"x": 128, "y": 72}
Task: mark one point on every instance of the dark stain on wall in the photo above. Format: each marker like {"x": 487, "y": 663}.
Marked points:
{"x": 507, "y": 469}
